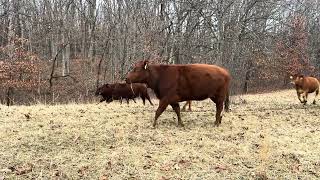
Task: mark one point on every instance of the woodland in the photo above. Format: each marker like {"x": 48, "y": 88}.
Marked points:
{"x": 60, "y": 51}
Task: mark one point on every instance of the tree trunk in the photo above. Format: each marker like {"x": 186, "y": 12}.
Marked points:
{"x": 92, "y": 25}
{"x": 246, "y": 83}
{"x": 8, "y": 96}
{"x": 53, "y": 47}
{"x": 65, "y": 55}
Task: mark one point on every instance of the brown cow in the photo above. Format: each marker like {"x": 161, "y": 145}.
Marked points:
{"x": 185, "y": 106}
{"x": 119, "y": 91}
{"x": 177, "y": 83}
{"x": 305, "y": 85}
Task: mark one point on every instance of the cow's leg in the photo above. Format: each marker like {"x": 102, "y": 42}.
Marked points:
{"x": 219, "y": 108}
{"x": 176, "y": 108}
{"x": 101, "y": 100}
{"x": 148, "y": 97}
{"x": 316, "y": 96}
{"x": 143, "y": 100}
{"x": 188, "y": 103}
{"x": 184, "y": 106}
{"x": 162, "y": 106}
{"x": 120, "y": 100}
{"x": 299, "y": 97}
{"x": 305, "y": 97}
{"x": 134, "y": 100}
{"x": 127, "y": 99}
{"x": 109, "y": 100}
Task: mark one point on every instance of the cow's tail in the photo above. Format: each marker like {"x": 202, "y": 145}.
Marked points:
{"x": 227, "y": 101}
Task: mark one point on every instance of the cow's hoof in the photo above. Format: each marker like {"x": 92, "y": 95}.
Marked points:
{"x": 180, "y": 125}
{"x": 314, "y": 102}
{"x": 216, "y": 124}
{"x": 154, "y": 126}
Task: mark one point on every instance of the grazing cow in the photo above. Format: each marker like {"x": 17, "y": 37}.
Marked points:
{"x": 185, "y": 105}
{"x": 119, "y": 91}
{"x": 305, "y": 85}
{"x": 177, "y": 83}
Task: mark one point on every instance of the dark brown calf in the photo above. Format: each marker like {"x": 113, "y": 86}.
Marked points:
{"x": 119, "y": 91}
{"x": 177, "y": 83}
{"x": 305, "y": 85}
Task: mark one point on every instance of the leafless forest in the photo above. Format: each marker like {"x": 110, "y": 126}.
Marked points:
{"x": 60, "y": 50}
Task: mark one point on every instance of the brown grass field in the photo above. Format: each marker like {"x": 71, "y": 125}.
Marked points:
{"x": 265, "y": 136}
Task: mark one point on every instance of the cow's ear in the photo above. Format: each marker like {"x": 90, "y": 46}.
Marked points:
{"x": 301, "y": 77}
{"x": 145, "y": 64}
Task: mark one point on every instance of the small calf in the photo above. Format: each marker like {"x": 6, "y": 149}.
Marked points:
{"x": 119, "y": 91}
{"x": 305, "y": 85}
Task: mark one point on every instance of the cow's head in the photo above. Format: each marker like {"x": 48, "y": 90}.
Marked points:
{"x": 139, "y": 73}
{"x": 101, "y": 89}
{"x": 297, "y": 79}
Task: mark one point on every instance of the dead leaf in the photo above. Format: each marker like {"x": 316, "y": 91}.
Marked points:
{"x": 76, "y": 138}
{"x": 182, "y": 161}
{"x": 59, "y": 174}
{"x": 24, "y": 169}
{"x": 148, "y": 166}
{"x": 261, "y": 176}
{"x": 27, "y": 116}
{"x": 147, "y": 156}
{"x": 165, "y": 168}
{"x": 296, "y": 168}
{"x": 6, "y": 170}
{"x": 164, "y": 178}
{"x": 176, "y": 166}
{"x": 82, "y": 170}
{"x": 108, "y": 165}
{"x": 220, "y": 168}
{"x": 104, "y": 177}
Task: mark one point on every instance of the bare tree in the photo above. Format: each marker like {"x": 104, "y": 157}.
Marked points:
{"x": 92, "y": 40}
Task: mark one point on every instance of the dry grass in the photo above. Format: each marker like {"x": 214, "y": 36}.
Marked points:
{"x": 264, "y": 136}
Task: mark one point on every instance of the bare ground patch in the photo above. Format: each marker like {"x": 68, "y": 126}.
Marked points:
{"x": 264, "y": 136}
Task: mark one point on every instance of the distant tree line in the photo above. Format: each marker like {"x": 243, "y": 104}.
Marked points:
{"x": 61, "y": 50}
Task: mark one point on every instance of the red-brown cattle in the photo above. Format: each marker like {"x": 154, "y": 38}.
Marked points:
{"x": 305, "y": 85}
{"x": 177, "y": 83}
{"x": 119, "y": 91}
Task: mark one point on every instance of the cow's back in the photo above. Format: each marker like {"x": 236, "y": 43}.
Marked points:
{"x": 205, "y": 80}
{"x": 129, "y": 90}
{"x": 311, "y": 84}
{"x": 121, "y": 90}
{"x": 195, "y": 81}
{"x": 139, "y": 87}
